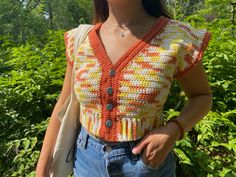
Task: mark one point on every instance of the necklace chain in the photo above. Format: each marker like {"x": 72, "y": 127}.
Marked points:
{"x": 127, "y": 27}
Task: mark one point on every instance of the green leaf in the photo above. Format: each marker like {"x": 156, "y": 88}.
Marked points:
{"x": 26, "y": 144}
{"x": 182, "y": 156}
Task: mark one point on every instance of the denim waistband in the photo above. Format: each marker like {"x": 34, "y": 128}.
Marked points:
{"x": 100, "y": 145}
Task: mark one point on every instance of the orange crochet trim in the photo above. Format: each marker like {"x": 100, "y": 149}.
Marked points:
{"x": 106, "y": 65}
{"x": 66, "y": 38}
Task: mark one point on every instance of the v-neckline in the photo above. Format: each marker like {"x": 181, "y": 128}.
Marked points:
{"x": 101, "y": 53}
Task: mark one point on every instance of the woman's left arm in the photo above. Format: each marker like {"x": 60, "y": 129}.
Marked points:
{"x": 197, "y": 89}
{"x": 156, "y": 144}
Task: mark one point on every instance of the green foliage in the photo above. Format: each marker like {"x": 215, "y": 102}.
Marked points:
{"x": 20, "y": 20}
{"x": 25, "y": 19}
{"x": 29, "y": 88}
{"x": 21, "y": 155}
{"x": 209, "y": 148}
{"x": 64, "y": 14}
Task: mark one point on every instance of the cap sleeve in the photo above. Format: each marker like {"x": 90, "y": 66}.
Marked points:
{"x": 69, "y": 44}
{"x": 192, "y": 46}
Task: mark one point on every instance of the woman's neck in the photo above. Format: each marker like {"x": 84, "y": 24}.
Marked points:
{"x": 126, "y": 12}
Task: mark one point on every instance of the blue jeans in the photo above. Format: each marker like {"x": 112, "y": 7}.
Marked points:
{"x": 95, "y": 158}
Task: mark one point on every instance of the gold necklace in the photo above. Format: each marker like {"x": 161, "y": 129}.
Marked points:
{"x": 127, "y": 27}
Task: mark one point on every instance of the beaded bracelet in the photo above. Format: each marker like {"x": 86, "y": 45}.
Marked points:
{"x": 180, "y": 127}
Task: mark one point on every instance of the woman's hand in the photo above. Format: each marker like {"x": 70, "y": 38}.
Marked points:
{"x": 157, "y": 144}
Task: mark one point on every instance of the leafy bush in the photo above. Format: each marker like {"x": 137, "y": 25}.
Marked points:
{"x": 29, "y": 87}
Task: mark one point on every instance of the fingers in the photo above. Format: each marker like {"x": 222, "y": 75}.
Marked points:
{"x": 148, "y": 159}
{"x": 154, "y": 150}
{"x": 148, "y": 154}
{"x": 153, "y": 157}
{"x": 158, "y": 160}
{"x": 143, "y": 156}
{"x": 140, "y": 146}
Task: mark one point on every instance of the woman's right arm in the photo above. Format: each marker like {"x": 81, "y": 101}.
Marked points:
{"x": 45, "y": 158}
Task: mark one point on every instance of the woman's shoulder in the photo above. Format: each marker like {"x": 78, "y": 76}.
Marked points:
{"x": 72, "y": 31}
{"x": 191, "y": 42}
{"x": 71, "y": 37}
{"x": 179, "y": 23}
{"x": 184, "y": 29}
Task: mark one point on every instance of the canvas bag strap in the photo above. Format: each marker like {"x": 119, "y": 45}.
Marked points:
{"x": 80, "y": 34}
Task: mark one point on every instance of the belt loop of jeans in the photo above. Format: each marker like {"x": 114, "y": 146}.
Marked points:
{"x": 84, "y": 138}
{"x": 131, "y": 145}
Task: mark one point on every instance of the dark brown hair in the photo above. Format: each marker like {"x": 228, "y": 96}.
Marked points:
{"x": 153, "y": 7}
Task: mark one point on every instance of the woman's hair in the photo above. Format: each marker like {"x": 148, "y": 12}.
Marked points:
{"x": 153, "y": 7}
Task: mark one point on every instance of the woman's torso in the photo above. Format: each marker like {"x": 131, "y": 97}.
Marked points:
{"x": 122, "y": 99}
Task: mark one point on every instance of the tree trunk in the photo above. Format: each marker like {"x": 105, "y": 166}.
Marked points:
{"x": 50, "y": 13}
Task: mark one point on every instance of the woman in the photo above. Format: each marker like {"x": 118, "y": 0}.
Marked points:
{"x": 124, "y": 70}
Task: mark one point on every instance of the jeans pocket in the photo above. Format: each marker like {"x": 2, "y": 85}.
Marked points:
{"x": 159, "y": 166}
{"x": 146, "y": 165}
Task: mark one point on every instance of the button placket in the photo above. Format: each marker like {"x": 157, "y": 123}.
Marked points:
{"x": 109, "y": 91}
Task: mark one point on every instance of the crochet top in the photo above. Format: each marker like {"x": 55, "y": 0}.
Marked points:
{"x": 124, "y": 101}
